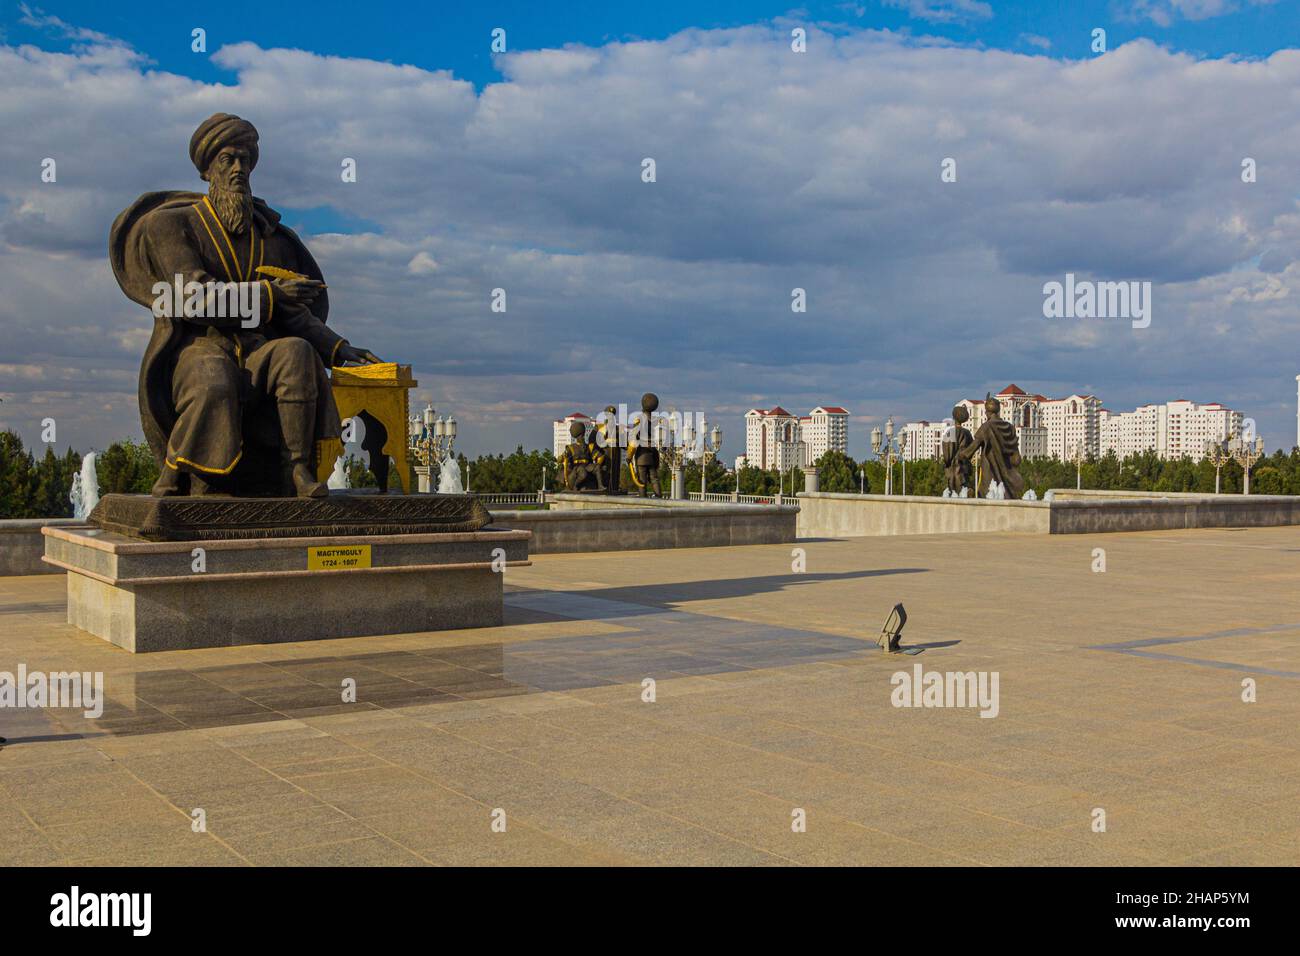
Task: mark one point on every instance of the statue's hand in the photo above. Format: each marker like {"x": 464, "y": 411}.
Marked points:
{"x": 299, "y": 291}
{"x": 350, "y": 353}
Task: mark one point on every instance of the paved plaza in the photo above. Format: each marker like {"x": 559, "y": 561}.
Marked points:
{"x": 1120, "y": 692}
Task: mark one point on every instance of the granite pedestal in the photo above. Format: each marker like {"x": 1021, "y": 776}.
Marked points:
{"x": 173, "y": 595}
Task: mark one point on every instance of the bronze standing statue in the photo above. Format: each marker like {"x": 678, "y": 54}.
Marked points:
{"x": 642, "y": 455}
{"x": 228, "y": 403}
{"x": 956, "y": 468}
{"x": 607, "y": 437}
{"x": 999, "y": 451}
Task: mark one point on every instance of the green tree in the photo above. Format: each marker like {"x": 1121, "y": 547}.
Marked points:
{"x": 1267, "y": 479}
{"x": 925, "y": 477}
{"x": 836, "y": 472}
{"x": 53, "y": 476}
{"x": 16, "y": 477}
{"x": 126, "y": 467}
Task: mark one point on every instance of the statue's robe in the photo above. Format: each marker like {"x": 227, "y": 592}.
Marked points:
{"x": 996, "y": 442}
{"x": 200, "y": 376}
{"x": 956, "y": 466}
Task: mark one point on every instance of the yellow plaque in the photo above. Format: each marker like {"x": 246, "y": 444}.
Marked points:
{"x": 338, "y": 557}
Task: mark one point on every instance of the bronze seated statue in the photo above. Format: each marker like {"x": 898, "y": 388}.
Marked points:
{"x": 583, "y": 462}
{"x": 230, "y": 403}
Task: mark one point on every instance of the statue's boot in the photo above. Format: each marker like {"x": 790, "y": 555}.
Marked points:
{"x": 297, "y": 425}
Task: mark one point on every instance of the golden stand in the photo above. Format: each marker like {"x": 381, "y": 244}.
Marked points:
{"x": 382, "y": 390}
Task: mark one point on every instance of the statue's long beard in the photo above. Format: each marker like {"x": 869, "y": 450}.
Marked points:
{"x": 233, "y": 208}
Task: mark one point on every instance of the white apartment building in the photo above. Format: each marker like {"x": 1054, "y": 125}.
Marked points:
{"x": 825, "y": 428}
{"x": 774, "y": 438}
{"x": 1172, "y": 430}
{"x": 1071, "y": 423}
{"x": 923, "y": 440}
{"x": 561, "y": 428}
{"x": 1056, "y": 427}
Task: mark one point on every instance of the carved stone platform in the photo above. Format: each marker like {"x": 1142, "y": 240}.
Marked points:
{"x": 341, "y": 513}
{"x": 167, "y": 595}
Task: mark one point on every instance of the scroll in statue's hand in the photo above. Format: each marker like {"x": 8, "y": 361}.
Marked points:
{"x": 350, "y": 354}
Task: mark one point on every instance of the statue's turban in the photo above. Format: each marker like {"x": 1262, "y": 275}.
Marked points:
{"x": 218, "y": 131}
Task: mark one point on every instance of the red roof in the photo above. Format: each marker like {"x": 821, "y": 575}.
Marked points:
{"x": 834, "y": 409}
{"x": 561, "y": 421}
{"x": 1012, "y": 390}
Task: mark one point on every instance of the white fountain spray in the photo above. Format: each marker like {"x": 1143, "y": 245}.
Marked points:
{"x": 85, "y": 488}
{"x": 338, "y": 479}
{"x": 449, "y": 478}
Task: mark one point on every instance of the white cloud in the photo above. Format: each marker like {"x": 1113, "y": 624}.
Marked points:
{"x": 944, "y": 11}
{"x": 1165, "y": 12}
{"x": 774, "y": 171}
{"x": 422, "y": 264}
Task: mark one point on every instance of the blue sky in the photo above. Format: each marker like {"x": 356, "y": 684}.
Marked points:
{"x": 448, "y": 36}
{"x": 522, "y": 171}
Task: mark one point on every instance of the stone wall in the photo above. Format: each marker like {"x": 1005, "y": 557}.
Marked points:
{"x": 829, "y": 515}
{"x": 579, "y": 523}
{"x": 21, "y": 544}
{"x": 1070, "y": 512}
{"x": 1087, "y": 516}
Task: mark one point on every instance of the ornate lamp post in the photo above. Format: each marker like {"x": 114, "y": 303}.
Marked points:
{"x": 1246, "y": 454}
{"x": 670, "y": 438}
{"x": 431, "y": 441}
{"x": 902, "y": 456}
{"x": 1076, "y": 450}
{"x": 1217, "y": 453}
{"x": 876, "y": 444}
{"x": 712, "y": 443}
{"x": 885, "y": 449}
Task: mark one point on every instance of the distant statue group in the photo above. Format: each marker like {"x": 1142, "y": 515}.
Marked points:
{"x": 593, "y": 461}
{"x": 997, "y": 472}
